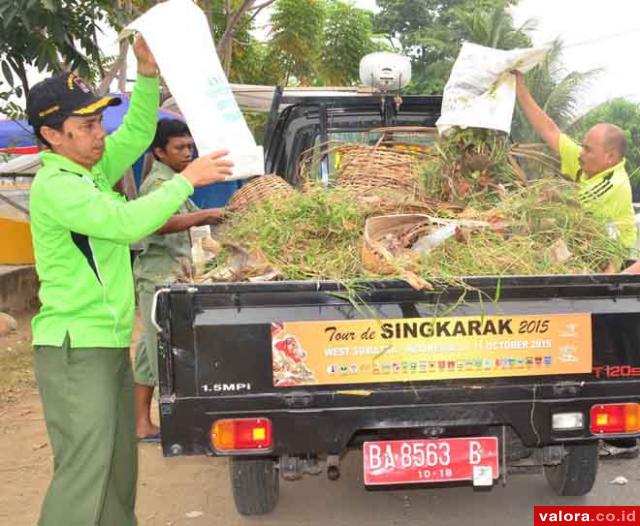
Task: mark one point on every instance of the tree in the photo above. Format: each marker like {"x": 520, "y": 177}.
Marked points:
{"x": 296, "y": 37}
{"x": 237, "y": 18}
{"x": 50, "y": 35}
{"x": 348, "y": 33}
{"x": 494, "y": 27}
{"x": 432, "y": 31}
{"x": 317, "y": 42}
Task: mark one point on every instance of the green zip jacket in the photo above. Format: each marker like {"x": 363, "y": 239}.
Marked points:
{"x": 82, "y": 229}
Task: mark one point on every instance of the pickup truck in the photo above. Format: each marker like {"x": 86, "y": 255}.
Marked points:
{"x": 463, "y": 384}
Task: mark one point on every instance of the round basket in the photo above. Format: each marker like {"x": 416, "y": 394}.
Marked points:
{"x": 258, "y": 190}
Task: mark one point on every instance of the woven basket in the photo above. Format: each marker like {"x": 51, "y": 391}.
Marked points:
{"x": 369, "y": 169}
{"x": 258, "y": 190}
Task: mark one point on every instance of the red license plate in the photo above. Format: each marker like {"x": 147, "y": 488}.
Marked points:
{"x": 425, "y": 461}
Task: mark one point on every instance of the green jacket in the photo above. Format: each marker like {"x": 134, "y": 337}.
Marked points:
{"x": 82, "y": 229}
{"x": 163, "y": 257}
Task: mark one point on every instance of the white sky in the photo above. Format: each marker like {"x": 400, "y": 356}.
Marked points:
{"x": 597, "y": 34}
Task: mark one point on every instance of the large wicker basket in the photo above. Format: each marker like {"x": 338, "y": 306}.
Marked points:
{"x": 368, "y": 169}
{"x": 258, "y": 190}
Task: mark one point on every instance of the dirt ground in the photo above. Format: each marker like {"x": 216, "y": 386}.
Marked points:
{"x": 167, "y": 489}
{"x": 195, "y": 491}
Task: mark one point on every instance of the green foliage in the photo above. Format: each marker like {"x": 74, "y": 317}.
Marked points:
{"x": 248, "y": 54}
{"x": 432, "y": 31}
{"x": 494, "y": 28}
{"x": 317, "y": 42}
{"x": 296, "y": 38}
{"x": 348, "y": 32}
{"x": 8, "y": 107}
{"x": 50, "y": 35}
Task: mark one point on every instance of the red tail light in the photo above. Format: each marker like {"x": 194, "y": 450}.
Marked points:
{"x": 242, "y": 434}
{"x": 614, "y": 419}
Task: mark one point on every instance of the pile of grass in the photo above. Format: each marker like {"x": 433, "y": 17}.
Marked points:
{"x": 311, "y": 235}
{"x": 318, "y": 235}
{"x": 477, "y": 164}
{"x": 547, "y": 212}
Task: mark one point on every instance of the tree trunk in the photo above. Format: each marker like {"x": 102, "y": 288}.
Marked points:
{"x": 115, "y": 68}
{"x": 233, "y": 19}
{"x": 122, "y": 76}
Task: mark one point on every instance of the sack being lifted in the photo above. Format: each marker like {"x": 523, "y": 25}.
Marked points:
{"x": 178, "y": 34}
{"x": 481, "y": 91}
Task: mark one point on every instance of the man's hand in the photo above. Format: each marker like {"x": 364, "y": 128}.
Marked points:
{"x": 520, "y": 83}
{"x": 212, "y": 216}
{"x": 212, "y": 168}
{"x": 147, "y": 65}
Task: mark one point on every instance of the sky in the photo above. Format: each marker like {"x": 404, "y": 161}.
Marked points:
{"x": 597, "y": 34}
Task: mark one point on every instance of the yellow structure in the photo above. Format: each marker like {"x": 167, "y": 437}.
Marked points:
{"x": 16, "y": 247}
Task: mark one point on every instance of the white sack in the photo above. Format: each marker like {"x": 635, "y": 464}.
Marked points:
{"x": 178, "y": 34}
{"x": 481, "y": 91}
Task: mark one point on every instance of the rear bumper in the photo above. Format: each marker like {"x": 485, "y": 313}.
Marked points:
{"x": 186, "y": 424}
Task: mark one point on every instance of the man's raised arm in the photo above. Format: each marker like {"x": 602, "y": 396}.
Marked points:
{"x": 541, "y": 122}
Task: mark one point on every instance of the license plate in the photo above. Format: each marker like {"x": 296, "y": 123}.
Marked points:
{"x": 427, "y": 461}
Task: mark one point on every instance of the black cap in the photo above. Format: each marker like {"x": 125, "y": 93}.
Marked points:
{"x": 64, "y": 95}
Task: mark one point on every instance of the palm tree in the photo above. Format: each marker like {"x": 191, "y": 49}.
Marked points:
{"x": 495, "y": 28}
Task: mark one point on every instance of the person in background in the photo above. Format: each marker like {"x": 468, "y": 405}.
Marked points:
{"x": 164, "y": 255}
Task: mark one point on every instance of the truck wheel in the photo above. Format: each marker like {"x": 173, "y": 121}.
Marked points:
{"x": 576, "y": 474}
{"x": 255, "y": 485}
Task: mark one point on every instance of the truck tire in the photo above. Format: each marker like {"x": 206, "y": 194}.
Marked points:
{"x": 576, "y": 475}
{"x": 255, "y": 484}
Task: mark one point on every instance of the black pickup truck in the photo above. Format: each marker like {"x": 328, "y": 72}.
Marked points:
{"x": 460, "y": 384}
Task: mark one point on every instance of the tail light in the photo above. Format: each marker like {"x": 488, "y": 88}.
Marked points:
{"x": 242, "y": 434}
{"x": 615, "y": 419}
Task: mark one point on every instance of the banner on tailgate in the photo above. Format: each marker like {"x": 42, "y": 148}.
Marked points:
{"x": 401, "y": 350}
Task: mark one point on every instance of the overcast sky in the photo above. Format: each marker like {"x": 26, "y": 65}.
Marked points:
{"x": 597, "y": 34}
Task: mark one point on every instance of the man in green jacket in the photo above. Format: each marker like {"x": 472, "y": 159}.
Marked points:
{"x": 81, "y": 233}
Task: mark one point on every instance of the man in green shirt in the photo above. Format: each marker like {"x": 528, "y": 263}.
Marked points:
{"x": 598, "y": 166}
{"x": 165, "y": 254}
{"x": 81, "y": 233}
